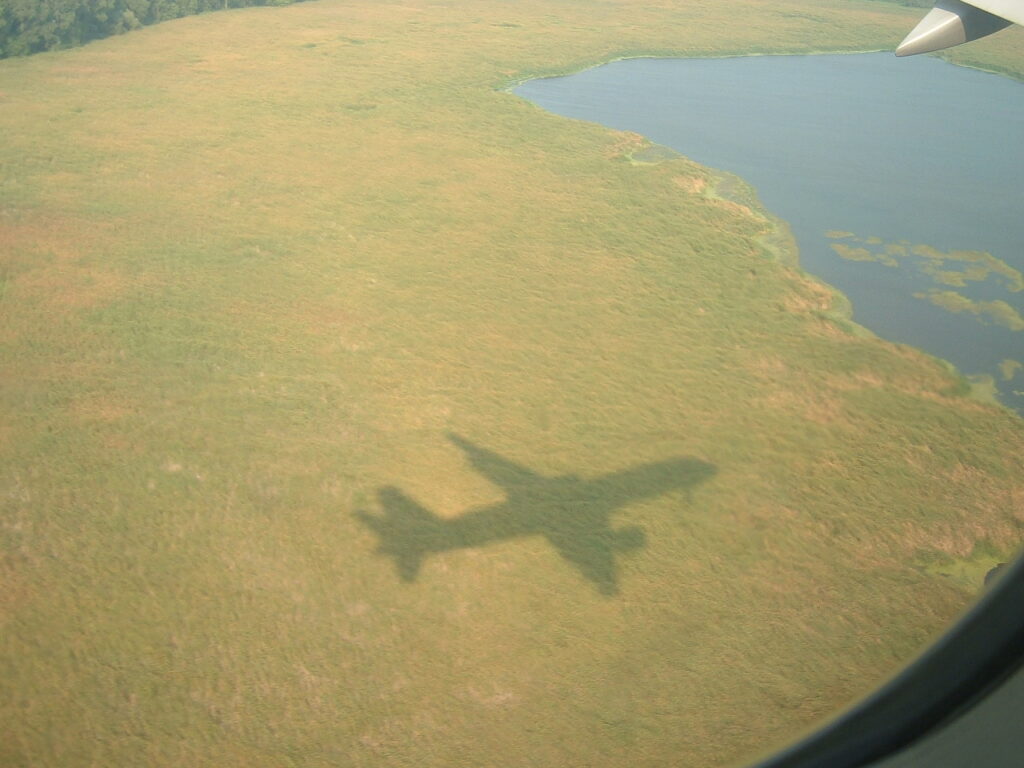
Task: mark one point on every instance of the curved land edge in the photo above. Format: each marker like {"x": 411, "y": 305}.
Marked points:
{"x": 997, "y": 56}
{"x": 257, "y": 266}
{"x": 780, "y": 243}
{"x": 778, "y": 240}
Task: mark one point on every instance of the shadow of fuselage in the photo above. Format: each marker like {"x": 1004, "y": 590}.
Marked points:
{"x": 572, "y": 513}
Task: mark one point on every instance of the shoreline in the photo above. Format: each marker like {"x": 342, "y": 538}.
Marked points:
{"x": 779, "y": 240}
{"x": 509, "y": 85}
{"x": 980, "y": 387}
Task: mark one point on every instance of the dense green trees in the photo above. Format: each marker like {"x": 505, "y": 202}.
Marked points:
{"x": 30, "y": 26}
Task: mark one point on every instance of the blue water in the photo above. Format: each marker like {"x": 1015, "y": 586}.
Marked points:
{"x": 902, "y": 151}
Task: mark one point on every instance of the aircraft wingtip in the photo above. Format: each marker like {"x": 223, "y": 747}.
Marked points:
{"x": 939, "y": 29}
{"x": 949, "y": 23}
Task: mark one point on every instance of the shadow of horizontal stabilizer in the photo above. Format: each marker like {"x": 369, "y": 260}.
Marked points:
{"x": 572, "y": 513}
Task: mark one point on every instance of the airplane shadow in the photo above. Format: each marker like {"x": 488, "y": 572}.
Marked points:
{"x": 572, "y": 513}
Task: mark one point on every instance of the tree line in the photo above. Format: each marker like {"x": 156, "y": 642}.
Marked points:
{"x": 31, "y": 26}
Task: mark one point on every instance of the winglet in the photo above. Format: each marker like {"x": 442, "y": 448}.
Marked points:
{"x": 949, "y": 23}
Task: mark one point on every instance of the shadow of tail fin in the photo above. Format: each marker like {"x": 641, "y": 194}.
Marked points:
{"x": 406, "y": 531}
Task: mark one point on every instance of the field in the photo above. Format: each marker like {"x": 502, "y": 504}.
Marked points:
{"x": 269, "y": 276}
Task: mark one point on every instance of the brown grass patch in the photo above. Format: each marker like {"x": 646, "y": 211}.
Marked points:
{"x": 808, "y": 296}
{"x": 45, "y": 259}
{"x": 737, "y": 208}
{"x": 805, "y": 404}
{"x": 919, "y": 386}
{"x": 952, "y": 540}
{"x": 625, "y": 144}
{"x": 856, "y": 381}
{"x": 102, "y": 408}
{"x": 767, "y": 365}
{"x": 695, "y": 185}
{"x": 1017, "y": 503}
{"x": 965, "y": 404}
{"x": 833, "y": 331}
{"x": 15, "y": 591}
{"x": 66, "y": 289}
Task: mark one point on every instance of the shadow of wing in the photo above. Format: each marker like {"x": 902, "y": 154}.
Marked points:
{"x": 647, "y": 480}
{"x": 495, "y": 468}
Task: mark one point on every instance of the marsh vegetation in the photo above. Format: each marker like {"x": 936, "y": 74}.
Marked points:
{"x": 257, "y": 265}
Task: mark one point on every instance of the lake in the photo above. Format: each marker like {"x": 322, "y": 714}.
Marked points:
{"x": 902, "y": 179}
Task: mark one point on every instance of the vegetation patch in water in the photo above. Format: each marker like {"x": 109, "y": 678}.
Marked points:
{"x": 980, "y": 266}
{"x": 975, "y": 266}
{"x": 1010, "y": 368}
{"x": 997, "y": 311}
{"x": 932, "y": 263}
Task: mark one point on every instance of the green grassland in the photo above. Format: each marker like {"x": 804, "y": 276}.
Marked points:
{"x": 256, "y": 266}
